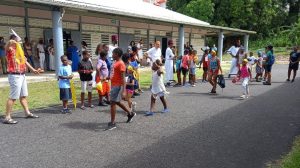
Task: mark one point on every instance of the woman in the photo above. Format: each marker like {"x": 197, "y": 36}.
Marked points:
{"x": 73, "y": 56}
{"x": 51, "y": 55}
{"x": 233, "y": 52}
{"x": 28, "y": 51}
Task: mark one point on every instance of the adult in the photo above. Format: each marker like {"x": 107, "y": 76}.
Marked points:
{"x": 140, "y": 49}
{"x": 73, "y": 55}
{"x": 51, "y": 55}
{"x": 169, "y": 63}
{"x": 294, "y": 64}
{"x": 233, "y": 51}
{"x": 84, "y": 46}
{"x": 28, "y": 51}
{"x": 269, "y": 63}
{"x": 16, "y": 63}
{"x": 241, "y": 56}
{"x": 35, "y": 56}
{"x": 131, "y": 44}
{"x": 3, "y": 56}
{"x": 41, "y": 53}
{"x": 154, "y": 53}
{"x": 114, "y": 39}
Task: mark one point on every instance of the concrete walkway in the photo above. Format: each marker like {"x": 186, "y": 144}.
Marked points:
{"x": 202, "y": 130}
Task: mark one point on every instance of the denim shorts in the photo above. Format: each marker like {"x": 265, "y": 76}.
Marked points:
{"x": 116, "y": 94}
{"x": 268, "y": 68}
{"x": 193, "y": 71}
{"x": 65, "y": 94}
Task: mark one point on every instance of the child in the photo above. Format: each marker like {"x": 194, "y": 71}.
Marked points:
{"x": 259, "y": 67}
{"x": 185, "y": 65}
{"x": 251, "y": 60}
{"x": 192, "y": 67}
{"x": 158, "y": 88}
{"x": 130, "y": 87}
{"x": 214, "y": 66}
{"x": 64, "y": 75}
{"x": 269, "y": 63}
{"x": 204, "y": 61}
{"x": 178, "y": 71}
{"x": 118, "y": 88}
{"x": 103, "y": 77}
{"x": 294, "y": 63}
{"x": 245, "y": 75}
{"x": 85, "y": 70}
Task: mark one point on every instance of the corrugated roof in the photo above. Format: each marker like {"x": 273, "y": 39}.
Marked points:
{"x": 135, "y": 8}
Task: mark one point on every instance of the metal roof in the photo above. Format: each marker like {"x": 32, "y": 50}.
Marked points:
{"x": 137, "y": 9}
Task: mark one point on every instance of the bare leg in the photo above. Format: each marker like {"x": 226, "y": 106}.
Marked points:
{"x": 65, "y": 104}
{"x": 10, "y": 103}
{"x": 269, "y": 77}
{"x": 289, "y": 73}
{"x": 113, "y": 108}
{"x": 214, "y": 83}
{"x": 24, "y": 103}
{"x": 184, "y": 80}
{"x": 90, "y": 98}
{"x": 179, "y": 77}
{"x": 164, "y": 102}
{"x": 123, "y": 107}
{"x": 82, "y": 99}
{"x": 295, "y": 74}
{"x": 152, "y": 103}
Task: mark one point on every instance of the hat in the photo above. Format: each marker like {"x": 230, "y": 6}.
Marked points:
{"x": 130, "y": 68}
{"x": 245, "y": 60}
{"x": 213, "y": 53}
{"x": 170, "y": 42}
{"x": 114, "y": 38}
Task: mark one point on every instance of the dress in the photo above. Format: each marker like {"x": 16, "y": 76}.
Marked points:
{"x": 74, "y": 57}
{"x": 169, "y": 64}
{"x": 51, "y": 57}
{"x": 233, "y": 51}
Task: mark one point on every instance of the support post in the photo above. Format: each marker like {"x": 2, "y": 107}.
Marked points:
{"x": 26, "y": 21}
{"x": 181, "y": 40}
{"x": 246, "y": 42}
{"x": 57, "y": 37}
{"x": 220, "y": 45}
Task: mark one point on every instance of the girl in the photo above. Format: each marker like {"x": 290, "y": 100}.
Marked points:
{"x": 178, "y": 71}
{"x": 259, "y": 67}
{"x": 185, "y": 66}
{"x": 214, "y": 67}
{"x": 245, "y": 76}
{"x": 130, "y": 88}
{"x": 158, "y": 88}
{"x": 204, "y": 61}
{"x": 102, "y": 75}
{"x": 192, "y": 67}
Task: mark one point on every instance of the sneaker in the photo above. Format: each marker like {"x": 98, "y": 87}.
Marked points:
{"x": 102, "y": 104}
{"x": 111, "y": 126}
{"x": 130, "y": 117}
{"x": 136, "y": 94}
{"x": 67, "y": 111}
{"x": 212, "y": 92}
{"x": 133, "y": 106}
{"x": 293, "y": 80}
{"x": 193, "y": 85}
{"x": 266, "y": 83}
{"x": 243, "y": 96}
{"x": 149, "y": 113}
{"x": 165, "y": 111}
{"x": 288, "y": 80}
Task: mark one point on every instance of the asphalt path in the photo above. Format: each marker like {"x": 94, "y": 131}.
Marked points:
{"x": 202, "y": 130}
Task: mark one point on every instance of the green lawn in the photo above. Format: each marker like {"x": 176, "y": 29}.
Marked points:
{"x": 291, "y": 160}
{"x": 45, "y": 94}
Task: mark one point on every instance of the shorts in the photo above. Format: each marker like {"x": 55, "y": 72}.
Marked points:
{"x": 205, "y": 69}
{"x": 18, "y": 86}
{"x": 214, "y": 72}
{"x": 268, "y": 68}
{"x": 294, "y": 66}
{"x": 160, "y": 94}
{"x": 193, "y": 71}
{"x": 86, "y": 85}
{"x": 184, "y": 71}
{"x": 65, "y": 94}
{"x": 116, "y": 94}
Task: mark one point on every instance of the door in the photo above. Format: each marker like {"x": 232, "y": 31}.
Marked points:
{"x": 125, "y": 40}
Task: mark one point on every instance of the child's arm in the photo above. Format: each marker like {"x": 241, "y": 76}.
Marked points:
{"x": 123, "y": 88}
{"x": 160, "y": 71}
{"x": 219, "y": 65}
{"x": 249, "y": 70}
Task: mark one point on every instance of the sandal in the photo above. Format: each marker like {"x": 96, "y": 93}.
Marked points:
{"x": 82, "y": 108}
{"x": 10, "y": 121}
{"x": 32, "y": 116}
{"x": 91, "y": 106}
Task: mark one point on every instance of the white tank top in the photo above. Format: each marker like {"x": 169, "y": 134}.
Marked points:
{"x": 157, "y": 83}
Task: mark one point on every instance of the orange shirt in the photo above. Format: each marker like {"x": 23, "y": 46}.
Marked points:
{"x": 116, "y": 74}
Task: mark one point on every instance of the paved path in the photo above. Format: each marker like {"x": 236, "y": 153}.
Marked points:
{"x": 201, "y": 131}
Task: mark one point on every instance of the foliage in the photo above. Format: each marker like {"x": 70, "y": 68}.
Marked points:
{"x": 199, "y": 9}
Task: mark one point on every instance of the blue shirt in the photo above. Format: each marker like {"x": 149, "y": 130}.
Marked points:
{"x": 2, "y": 52}
{"x": 134, "y": 64}
{"x": 64, "y": 71}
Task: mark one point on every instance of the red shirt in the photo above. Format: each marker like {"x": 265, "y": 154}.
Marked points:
{"x": 116, "y": 74}
{"x": 12, "y": 65}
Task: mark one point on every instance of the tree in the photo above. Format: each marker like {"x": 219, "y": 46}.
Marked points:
{"x": 200, "y": 9}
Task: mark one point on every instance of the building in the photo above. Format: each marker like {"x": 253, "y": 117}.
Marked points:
{"x": 95, "y": 21}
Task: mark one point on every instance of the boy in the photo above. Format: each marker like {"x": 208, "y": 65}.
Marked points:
{"x": 85, "y": 70}
{"x": 204, "y": 61}
{"x": 64, "y": 75}
{"x": 294, "y": 63}
{"x": 158, "y": 88}
{"x": 103, "y": 76}
{"x": 118, "y": 88}
{"x": 214, "y": 66}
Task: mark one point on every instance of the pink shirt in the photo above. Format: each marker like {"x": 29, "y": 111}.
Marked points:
{"x": 244, "y": 72}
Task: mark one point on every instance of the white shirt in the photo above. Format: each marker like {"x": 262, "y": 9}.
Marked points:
{"x": 41, "y": 48}
{"x": 154, "y": 54}
{"x": 233, "y": 50}
{"x": 169, "y": 54}
{"x": 110, "y": 51}
{"x": 158, "y": 85}
{"x": 140, "y": 49}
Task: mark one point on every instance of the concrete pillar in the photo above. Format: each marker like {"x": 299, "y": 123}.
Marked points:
{"x": 246, "y": 42}
{"x": 220, "y": 45}
{"x": 26, "y": 21}
{"x": 181, "y": 40}
{"x": 57, "y": 37}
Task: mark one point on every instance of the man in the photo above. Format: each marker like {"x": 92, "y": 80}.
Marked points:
{"x": 169, "y": 63}
{"x": 233, "y": 51}
{"x": 294, "y": 64}
{"x": 114, "y": 39}
{"x": 16, "y": 63}
{"x": 154, "y": 53}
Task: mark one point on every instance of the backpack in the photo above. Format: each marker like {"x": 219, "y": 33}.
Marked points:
{"x": 221, "y": 81}
{"x": 272, "y": 60}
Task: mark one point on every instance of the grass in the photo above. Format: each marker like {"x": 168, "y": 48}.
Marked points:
{"x": 45, "y": 94}
{"x": 291, "y": 160}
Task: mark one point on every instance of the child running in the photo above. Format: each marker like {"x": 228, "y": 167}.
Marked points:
{"x": 64, "y": 76}
{"x": 214, "y": 66}
{"x": 158, "y": 88}
{"x": 118, "y": 89}
{"x": 102, "y": 76}
{"x": 245, "y": 75}
{"x": 85, "y": 70}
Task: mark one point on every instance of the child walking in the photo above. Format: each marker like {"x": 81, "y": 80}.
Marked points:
{"x": 214, "y": 66}
{"x": 130, "y": 80}
{"x": 85, "y": 70}
{"x": 158, "y": 88}
{"x": 245, "y": 76}
{"x": 102, "y": 76}
{"x": 259, "y": 67}
{"x": 64, "y": 76}
{"x": 118, "y": 88}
